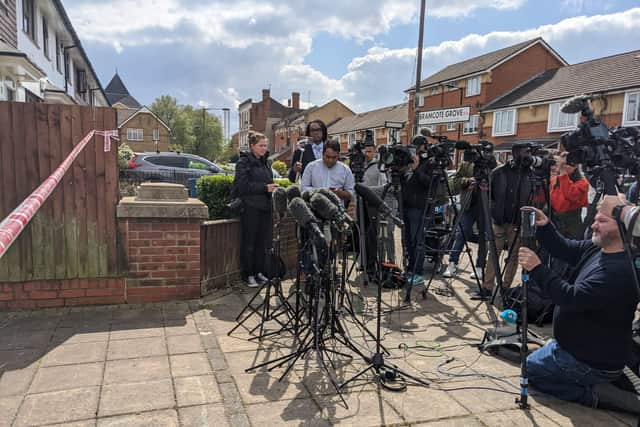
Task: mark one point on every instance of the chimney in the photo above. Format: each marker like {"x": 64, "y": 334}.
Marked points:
{"x": 266, "y": 94}
{"x": 295, "y": 100}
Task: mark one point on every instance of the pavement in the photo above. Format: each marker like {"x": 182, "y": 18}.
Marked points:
{"x": 174, "y": 365}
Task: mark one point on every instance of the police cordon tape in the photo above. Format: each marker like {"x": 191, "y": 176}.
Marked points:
{"x": 16, "y": 222}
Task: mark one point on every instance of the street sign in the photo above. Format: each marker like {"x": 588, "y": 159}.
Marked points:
{"x": 447, "y": 115}
{"x": 393, "y": 125}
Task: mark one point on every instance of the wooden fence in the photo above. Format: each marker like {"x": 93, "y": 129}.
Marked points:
{"x": 74, "y": 233}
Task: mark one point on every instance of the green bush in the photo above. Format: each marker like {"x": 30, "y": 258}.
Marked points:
{"x": 214, "y": 191}
{"x": 280, "y": 166}
{"x": 125, "y": 153}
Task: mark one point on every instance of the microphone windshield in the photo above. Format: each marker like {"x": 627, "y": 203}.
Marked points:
{"x": 293, "y": 191}
{"x": 333, "y": 197}
{"x": 306, "y": 195}
{"x": 575, "y": 104}
{"x": 301, "y": 212}
{"x": 323, "y": 207}
{"x": 369, "y": 196}
{"x": 280, "y": 201}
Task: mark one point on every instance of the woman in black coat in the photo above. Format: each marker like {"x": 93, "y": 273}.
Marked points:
{"x": 254, "y": 183}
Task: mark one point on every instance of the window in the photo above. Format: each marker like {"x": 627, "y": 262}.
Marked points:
{"x": 452, "y": 126}
{"x": 472, "y": 125}
{"x": 631, "y": 109}
{"x": 81, "y": 83}
{"x": 451, "y": 86}
{"x": 45, "y": 37}
{"x": 392, "y": 136}
{"x": 58, "y": 53}
{"x": 421, "y": 99}
{"x": 7, "y": 89}
{"x": 174, "y": 161}
{"x": 473, "y": 86}
{"x": 559, "y": 121}
{"x": 135, "y": 134}
{"x": 28, "y": 19}
{"x": 433, "y": 91}
{"x": 196, "y": 164}
{"x": 156, "y": 134}
{"x": 504, "y": 123}
{"x": 375, "y": 137}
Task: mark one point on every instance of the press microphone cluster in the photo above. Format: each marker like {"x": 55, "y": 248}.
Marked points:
{"x": 305, "y": 218}
{"x": 327, "y": 211}
{"x": 280, "y": 202}
{"x": 374, "y": 201}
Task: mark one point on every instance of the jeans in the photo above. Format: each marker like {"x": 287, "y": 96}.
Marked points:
{"x": 556, "y": 372}
{"x": 464, "y": 233}
{"x": 504, "y": 235}
{"x": 414, "y": 239}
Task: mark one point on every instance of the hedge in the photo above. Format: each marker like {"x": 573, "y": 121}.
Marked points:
{"x": 214, "y": 191}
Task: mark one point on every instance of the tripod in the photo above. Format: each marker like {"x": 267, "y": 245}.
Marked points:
{"x": 385, "y": 372}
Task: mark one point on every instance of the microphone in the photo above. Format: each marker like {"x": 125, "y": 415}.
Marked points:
{"x": 509, "y": 316}
{"x": 462, "y": 145}
{"x": 280, "y": 201}
{"x": 303, "y": 216}
{"x": 306, "y": 195}
{"x": 373, "y": 200}
{"x": 333, "y": 197}
{"x": 327, "y": 210}
{"x": 576, "y": 104}
{"x": 293, "y": 191}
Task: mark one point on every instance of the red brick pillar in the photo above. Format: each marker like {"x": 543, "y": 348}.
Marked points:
{"x": 160, "y": 233}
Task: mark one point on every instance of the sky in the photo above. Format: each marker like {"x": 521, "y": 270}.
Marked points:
{"x": 219, "y": 53}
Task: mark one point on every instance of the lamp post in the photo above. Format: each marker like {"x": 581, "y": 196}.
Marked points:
{"x": 452, "y": 86}
{"x": 225, "y": 125}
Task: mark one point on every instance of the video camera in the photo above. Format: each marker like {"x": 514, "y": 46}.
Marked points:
{"x": 356, "y": 155}
{"x": 481, "y": 154}
{"x": 440, "y": 154}
{"x": 597, "y": 147}
{"x": 537, "y": 158}
{"x": 395, "y": 157}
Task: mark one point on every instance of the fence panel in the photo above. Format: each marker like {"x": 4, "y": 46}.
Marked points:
{"x": 73, "y": 235}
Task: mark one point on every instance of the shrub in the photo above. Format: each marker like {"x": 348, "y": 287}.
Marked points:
{"x": 215, "y": 190}
{"x": 280, "y": 167}
{"x": 125, "y": 153}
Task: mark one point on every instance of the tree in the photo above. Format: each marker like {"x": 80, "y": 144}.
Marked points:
{"x": 186, "y": 123}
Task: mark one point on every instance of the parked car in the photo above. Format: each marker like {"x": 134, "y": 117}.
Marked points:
{"x": 169, "y": 167}
{"x": 276, "y": 174}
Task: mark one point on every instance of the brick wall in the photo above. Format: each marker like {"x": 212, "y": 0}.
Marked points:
{"x": 163, "y": 258}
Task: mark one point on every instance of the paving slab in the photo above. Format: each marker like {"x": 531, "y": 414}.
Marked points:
{"x": 412, "y": 404}
{"x": 197, "y": 390}
{"x": 183, "y": 344}
{"x": 67, "y": 377}
{"x": 70, "y": 354}
{"x": 78, "y": 336}
{"x": 203, "y": 416}
{"x": 265, "y": 387}
{"x": 571, "y": 414}
{"x": 184, "y": 327}
{"x": 298, "y": 412}
{"x": 119, "y": 399}
{"x": 166, "y": 418}
{"x": 189, "y": 365}
{"x": 58, "y": 407}
{"x": 8, "y": 409}
{"x": 127, "y": 332}
{"x": 137, "y": 370}
{"x": 87, "y": 423}
{"x": 136, "y": 347}
{"x": 16, "y": 381}
{"x": 454, "y": 422}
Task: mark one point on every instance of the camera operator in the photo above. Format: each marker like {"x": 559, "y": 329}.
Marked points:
{"x": 317, "y": 132}
{"x": 462, "y": 183}
{"x": 329, "y": 172}
{"x": 510, "y": 190}
{"x": 254, "y": 182}
{"x": 592, "y": 318}
{"x": 569, "y": 194}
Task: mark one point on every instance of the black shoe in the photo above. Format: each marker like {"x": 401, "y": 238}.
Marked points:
{"x": 481, "y": 295}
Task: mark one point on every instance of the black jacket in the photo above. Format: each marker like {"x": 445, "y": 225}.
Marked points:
{"x": 510, "y": 190}
{"x": 252, "y": 177}
{"x": 414, "y": 190}
{"x": 305, "y": 156}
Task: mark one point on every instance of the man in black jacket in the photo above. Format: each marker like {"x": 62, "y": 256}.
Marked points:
{"x": 592, "y": 319}
{"x": 317, "y": 132}
{"x": 510, "y": 190}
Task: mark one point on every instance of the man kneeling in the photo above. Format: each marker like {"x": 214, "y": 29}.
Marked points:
{"x": 593, "y": 314}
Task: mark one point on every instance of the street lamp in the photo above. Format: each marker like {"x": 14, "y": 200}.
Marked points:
{"x": 452, "y": 86}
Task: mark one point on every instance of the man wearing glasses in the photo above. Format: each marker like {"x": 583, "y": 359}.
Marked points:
{"x": 317, "y": 134}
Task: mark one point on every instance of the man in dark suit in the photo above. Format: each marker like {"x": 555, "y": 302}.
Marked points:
{"x": 317, "y": 134}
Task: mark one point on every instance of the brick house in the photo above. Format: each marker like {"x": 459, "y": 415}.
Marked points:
{"x": 531, "y": 111}
{"x": 477, "y": 82}
{"x": 351, "y": 129}
{"x": 142, "y": 130}
{"x": 42, "y": 58}
{"x": 293, "y": 127}
{"x": 261, "y": 116}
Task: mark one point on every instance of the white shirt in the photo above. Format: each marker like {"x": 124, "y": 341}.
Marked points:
{"x": 318, "y": 175}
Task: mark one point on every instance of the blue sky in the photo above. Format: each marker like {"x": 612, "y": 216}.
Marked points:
{"x": 221, "y": 52}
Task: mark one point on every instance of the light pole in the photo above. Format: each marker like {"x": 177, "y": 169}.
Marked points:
{"x": 452, "y": 86}
{"x": 226, "y": 122}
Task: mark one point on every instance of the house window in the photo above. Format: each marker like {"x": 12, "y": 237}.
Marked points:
{"x": 451, "y": 86}
{"x": 156, "y": 134}
{"x": 45, "y": 38}
{"x": 58, "y": 53}
{"x": 135, "y": 134}
{"x": 421, "y": 99}
{"x": 433, "y": 91}
{"x": 631, "y": 115}
{"x": 81, "y": 83}
{"x": 375, "y": 137}
{"x": 471, "y": 126}
{"x": 352, "y": 138}
{"x": 504, "y": 123}
{"x": 452, "y": 126}
{"x": 28, "y": 19}
{"x": 559, "y": 121}
{"x": 392, "y": 136}
{"x": 473, "y": 86}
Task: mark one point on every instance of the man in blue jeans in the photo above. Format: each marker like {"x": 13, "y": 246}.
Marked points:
{"x": 592, "y": 319}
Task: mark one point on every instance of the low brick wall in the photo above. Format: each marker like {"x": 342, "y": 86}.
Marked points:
{"x": 61, "y": 293}
{"x": 163, "y": 257}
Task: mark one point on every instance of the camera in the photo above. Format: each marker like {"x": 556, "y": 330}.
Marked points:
{"x": 357, "y": 157}
{"x": 537, "y": 159}
{"x": 396, "y": 157}
{"x": 440, "y": 154}
{"x": 481, "y": 154}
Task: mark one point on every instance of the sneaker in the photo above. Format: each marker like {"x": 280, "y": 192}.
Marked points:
{"x": 450, "y": 271}
{"x": 261, "y": 279}
{"x": 251, "y": 282}
{"x": 481, "y": 295}
{"x": 415, "y": 280}
{"x": 478, "y": 274}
